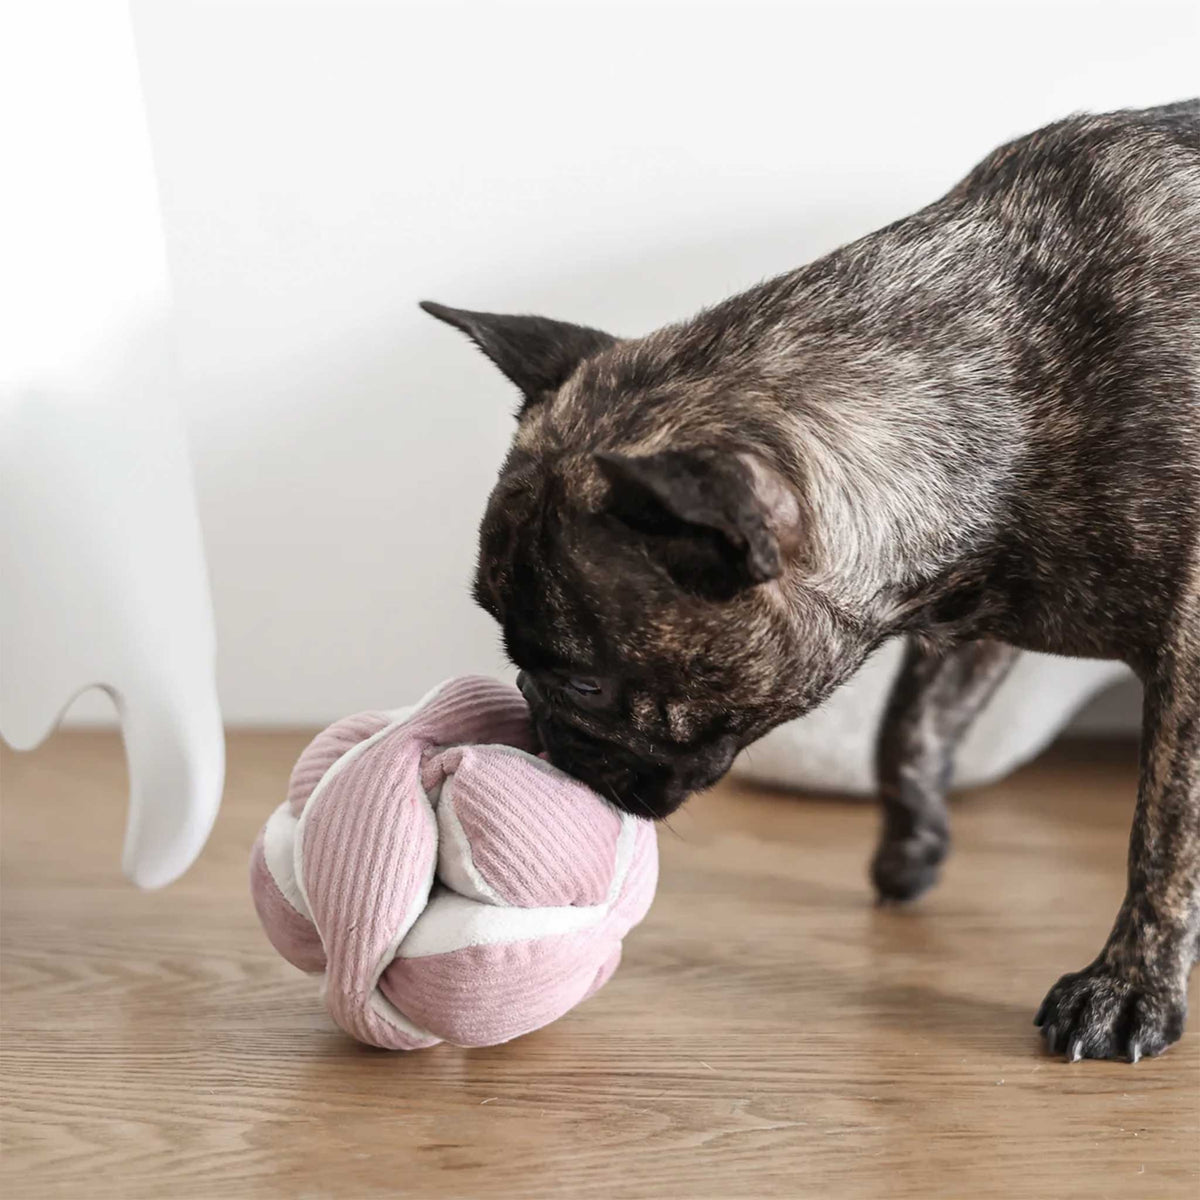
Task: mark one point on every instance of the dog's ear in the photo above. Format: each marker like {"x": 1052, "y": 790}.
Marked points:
{"x": 722, "y": 520}
{"x": 535, "y": 353}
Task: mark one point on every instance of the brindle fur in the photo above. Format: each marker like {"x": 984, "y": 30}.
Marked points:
{"x": 978, "y": 428}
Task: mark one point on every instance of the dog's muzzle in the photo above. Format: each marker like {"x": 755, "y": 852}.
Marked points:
{"x": 652, "y": 786}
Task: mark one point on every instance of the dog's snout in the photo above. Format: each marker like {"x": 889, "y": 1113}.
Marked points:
{"x": 652, "y": 786}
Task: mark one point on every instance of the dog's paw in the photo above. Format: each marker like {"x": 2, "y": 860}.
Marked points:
{"x": 903, "y": 868}
{"x": 1097, "y": 1013}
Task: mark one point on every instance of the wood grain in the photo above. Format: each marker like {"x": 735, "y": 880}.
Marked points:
{"x": 769, "y": 1034}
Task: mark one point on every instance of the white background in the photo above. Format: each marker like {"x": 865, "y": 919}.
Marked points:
{"x": 325, "y": 165}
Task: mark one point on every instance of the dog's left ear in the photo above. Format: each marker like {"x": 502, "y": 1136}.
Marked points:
{"x": 723, "y": 520}
{"x": 535, "y": 353}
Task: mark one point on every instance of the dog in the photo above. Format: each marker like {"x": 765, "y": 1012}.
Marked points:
{"x": 977, "y": 428}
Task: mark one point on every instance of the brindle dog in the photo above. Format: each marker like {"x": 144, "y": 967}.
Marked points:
{"x": 978, "y": 428}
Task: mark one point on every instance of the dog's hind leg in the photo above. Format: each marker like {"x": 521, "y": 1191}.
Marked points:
{"x": 936, "y": 696}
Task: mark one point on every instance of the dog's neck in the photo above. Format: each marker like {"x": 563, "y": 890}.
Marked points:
{"x": 876, "y": 381}
{"x": 901, "y": 406}
{"x": 897, "y": 489}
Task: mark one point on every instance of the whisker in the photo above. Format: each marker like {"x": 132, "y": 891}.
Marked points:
{"x": 645, "y": 807}
{"x": 664, "y": 821}
{"x": 658, "y": 820}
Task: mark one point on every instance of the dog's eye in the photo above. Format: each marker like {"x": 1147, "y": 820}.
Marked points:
{"x": 583, "y": 685}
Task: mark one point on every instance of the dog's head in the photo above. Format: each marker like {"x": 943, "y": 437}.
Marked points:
{"x": 643, "y": 582}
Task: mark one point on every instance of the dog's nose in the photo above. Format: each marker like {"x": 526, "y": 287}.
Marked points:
{"x": 525, "y": 686}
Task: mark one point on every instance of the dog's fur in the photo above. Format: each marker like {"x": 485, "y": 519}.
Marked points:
{"x": 978, "y": 427}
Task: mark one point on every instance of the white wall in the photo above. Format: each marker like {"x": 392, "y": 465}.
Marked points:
{"x": 325, "y": 165}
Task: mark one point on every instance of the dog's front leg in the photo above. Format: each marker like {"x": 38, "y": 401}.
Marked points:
{"x": 1132, "y": 1001}
{"x": 935, "y": 698}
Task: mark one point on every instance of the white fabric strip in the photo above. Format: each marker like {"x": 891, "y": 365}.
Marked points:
{"x": 453, "y": 922}
{"x": 456, "y": 866}
{"x": 279, "y": 842}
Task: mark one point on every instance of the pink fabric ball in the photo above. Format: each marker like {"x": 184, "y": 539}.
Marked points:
{"x": 448, "y": 884}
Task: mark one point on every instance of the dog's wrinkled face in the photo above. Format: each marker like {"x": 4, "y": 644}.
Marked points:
{"x": 637, "y": 685}
{"x": 639, "y": 594}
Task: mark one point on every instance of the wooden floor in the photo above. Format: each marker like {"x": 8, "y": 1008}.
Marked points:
{"x": 769, "y": 1034}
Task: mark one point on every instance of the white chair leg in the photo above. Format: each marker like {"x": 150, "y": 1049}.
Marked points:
{"x": 175, "y": 749}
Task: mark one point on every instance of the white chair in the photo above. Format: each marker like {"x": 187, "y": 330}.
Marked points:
{"x": 102, "y": 576}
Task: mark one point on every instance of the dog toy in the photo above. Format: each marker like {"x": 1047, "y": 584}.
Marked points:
{"x": 447, "y": 883}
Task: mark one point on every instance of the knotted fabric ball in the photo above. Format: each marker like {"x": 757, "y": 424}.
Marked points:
{"x": 447, "y": 883}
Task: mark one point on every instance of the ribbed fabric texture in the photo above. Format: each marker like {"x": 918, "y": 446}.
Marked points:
{"x": 562, "y": 875}
{"x": 325, "y": 749}
{"x": 291, "y": 933}
{"x": 529, "y": 846}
